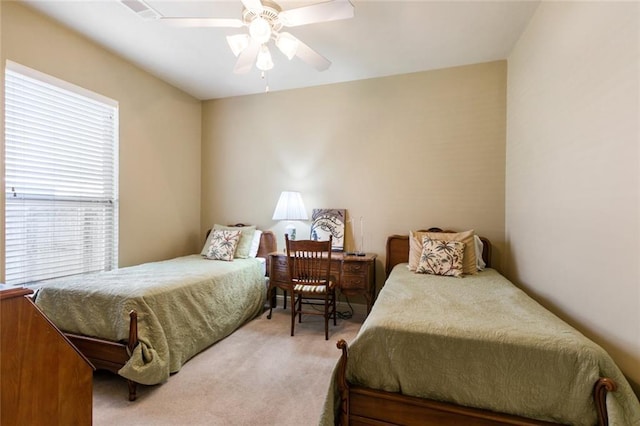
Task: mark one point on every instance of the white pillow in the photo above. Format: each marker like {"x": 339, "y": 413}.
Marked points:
{"x": 207, "y": 243}
{"x": 255, "y": 244}
{"x": 479, "y": 246}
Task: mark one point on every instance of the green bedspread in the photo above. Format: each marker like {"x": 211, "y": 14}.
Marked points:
{"x": 479, "y": 341}
{"x": 184, "y": 305}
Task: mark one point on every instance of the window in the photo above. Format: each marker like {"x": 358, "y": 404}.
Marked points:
{"x": 61, "y": 168}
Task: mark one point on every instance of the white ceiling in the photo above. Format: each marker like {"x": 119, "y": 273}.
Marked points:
{"x": 384, "y": 38}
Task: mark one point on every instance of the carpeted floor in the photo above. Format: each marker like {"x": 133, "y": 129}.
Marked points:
{"x": 259, "y": 375}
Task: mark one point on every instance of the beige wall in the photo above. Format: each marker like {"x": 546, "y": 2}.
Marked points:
{"x": 573, "y": 170}
{"x": 159, "y": 133}
{"x": 404, "y": 152}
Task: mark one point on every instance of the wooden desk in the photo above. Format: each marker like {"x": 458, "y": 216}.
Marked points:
{"x": 358, "y": 275}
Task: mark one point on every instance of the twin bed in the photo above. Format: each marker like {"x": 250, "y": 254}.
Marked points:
{"x": 434, "y": 350}
{"x": 144, "y": 322}
{"x": 475, "y": 350}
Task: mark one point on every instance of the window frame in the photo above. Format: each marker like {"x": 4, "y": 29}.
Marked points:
{"x": 94, "y": 206}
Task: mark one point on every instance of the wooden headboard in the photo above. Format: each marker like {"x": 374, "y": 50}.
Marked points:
{"x": 398, "y": 249}
{"x": 268, "y": 244}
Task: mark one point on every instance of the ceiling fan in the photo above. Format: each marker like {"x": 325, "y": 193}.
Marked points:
{"x": 265, "y": 20}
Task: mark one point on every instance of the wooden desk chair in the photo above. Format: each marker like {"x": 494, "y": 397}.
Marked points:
{"x": 309, "y": 265}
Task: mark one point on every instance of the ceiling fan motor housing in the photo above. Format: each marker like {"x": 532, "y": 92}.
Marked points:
{"x": 269, "y": 13}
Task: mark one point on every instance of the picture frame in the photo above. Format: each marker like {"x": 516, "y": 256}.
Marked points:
{"x": 326, "y": 222}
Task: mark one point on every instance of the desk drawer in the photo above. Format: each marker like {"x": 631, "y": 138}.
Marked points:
{"x": 279, "y": 272}
{"x": 356, "y": 268}
{"x": 356, "y": 276}
{"x": 354, "y": 282}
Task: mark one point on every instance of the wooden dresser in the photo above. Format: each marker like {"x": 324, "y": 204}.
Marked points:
{"x": 358, "y": 274}
{"x": 45, "y": 380}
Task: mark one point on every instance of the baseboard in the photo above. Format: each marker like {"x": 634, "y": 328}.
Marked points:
{"x": 359, "y": 309}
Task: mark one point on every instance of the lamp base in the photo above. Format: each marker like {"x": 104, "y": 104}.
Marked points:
{"x": 290, "y": 230}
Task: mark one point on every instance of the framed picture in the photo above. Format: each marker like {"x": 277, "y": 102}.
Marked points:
{"x": 325, "y": 222}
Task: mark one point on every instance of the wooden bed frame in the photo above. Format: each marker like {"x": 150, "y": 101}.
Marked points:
{"x": 366, "y": 406}
{"x": 112, "y": 356}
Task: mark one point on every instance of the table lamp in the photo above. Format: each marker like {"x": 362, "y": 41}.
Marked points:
{"x": 290, "y": 207}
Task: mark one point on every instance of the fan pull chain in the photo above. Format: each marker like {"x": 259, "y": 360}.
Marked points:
{"x": 265, "y": 76}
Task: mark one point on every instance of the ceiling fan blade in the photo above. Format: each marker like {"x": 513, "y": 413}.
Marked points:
{"x": 247, "y": 58}
{"x": 320, "y": 12}
{"x": 312, "y": 57}
{"x": 254, "y": 5}
{"x": 204, "y": 22}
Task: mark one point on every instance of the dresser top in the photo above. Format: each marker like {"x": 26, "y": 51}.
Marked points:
{"x": 9, "y": 291}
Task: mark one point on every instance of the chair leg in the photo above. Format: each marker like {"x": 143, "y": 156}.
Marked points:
{"x": 293, "y": 313}
{"x": 326, "y": 325}
{"x": 329, "y": 311}
{"x": 335, "y": 308}
{"x": 326, "y": 315}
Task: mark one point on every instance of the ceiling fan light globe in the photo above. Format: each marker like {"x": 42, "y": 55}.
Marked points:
{"x": 260, "y": 30}
{"x": 287, "y": 44}
{"x": 264, "y": 61}
{"x": 238, "y": 43}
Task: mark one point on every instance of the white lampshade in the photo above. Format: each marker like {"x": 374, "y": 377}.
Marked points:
{"x": 287, "y": 44}
{"x": 264, "y": 61}
{"x": 290, "y": 207}
{"x": 238, "y": 43}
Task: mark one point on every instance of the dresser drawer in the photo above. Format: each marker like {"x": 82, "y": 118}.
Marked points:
{"x": 354, "y": 282}
{"x": 355, "y": 268}
{"x": 279, "y": 272}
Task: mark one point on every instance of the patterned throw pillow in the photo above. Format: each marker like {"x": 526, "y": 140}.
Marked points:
{"x": 223, "y": 244}
{"x": 469, "y": 264}
{"x": 441, "y": 257}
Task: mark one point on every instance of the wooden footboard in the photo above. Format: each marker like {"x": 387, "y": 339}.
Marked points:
{"x": 108, "y": 355}
{"x": 364, "y": 406}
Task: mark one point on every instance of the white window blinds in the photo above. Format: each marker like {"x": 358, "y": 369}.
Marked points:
{"x": 61, "y": 167}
